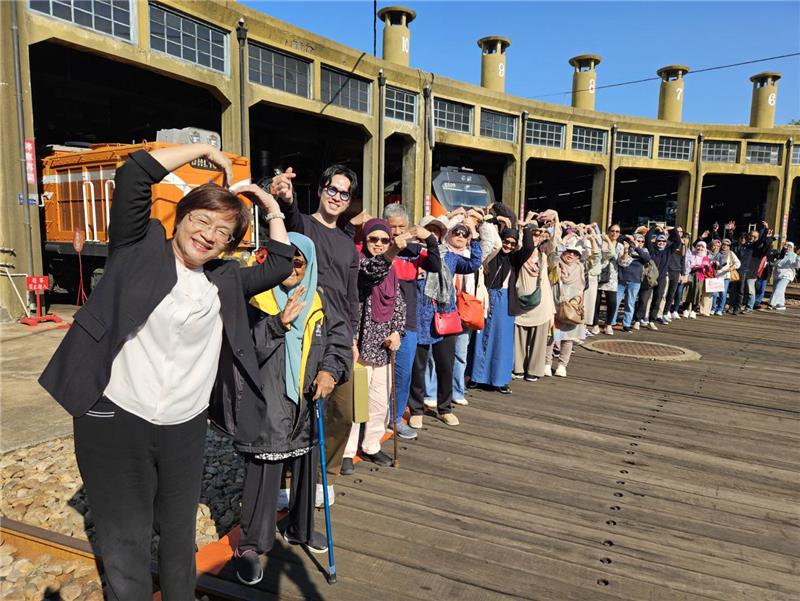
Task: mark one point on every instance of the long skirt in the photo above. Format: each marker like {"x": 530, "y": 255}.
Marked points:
{"x": 492, "y": 356}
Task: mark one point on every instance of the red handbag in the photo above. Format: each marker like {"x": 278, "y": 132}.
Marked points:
{"x": 447, "y": 323}
{"x": 470, "y": 309}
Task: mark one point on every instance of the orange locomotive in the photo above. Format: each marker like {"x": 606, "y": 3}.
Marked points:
{"x": 78, "y": 189}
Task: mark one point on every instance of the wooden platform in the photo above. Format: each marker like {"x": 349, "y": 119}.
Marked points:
{"x": 630, "y": 479}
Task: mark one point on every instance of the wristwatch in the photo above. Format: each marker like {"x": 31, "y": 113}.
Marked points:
{"x": 276, "y": 215}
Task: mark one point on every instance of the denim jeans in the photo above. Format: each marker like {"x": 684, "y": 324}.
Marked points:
{"x": 749, "y": 292}
{"x": 720, "y": 298}
{"x": 403, "y": 364}
{"x": 761, "y": 289}
{"x": 778, "y": 297}
{"x": 459, "y": 369}
{"x": 631, "y": 291}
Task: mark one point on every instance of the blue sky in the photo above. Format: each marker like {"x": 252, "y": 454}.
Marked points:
{"x": 634, "y": 39}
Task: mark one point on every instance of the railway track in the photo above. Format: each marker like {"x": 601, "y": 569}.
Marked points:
{"x": 32, "y": 542}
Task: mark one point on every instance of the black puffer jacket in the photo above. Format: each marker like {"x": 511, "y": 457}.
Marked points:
{"x": 280, "y": 425}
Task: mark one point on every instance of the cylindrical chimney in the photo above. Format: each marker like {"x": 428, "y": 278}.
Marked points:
{"x": 584, "y": 80}
{"x": 396, "y": 37}
{"x": 670, "y": 97}
{"x": 765, "y": 96}
{"x": 493, "y": 62}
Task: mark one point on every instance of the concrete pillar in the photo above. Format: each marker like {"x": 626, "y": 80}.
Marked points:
{"x": 493, "y": 62}
{"x": 584, "y": 80}
{"x": 772, "y": 211}
{"x": 600, "y": 202}
{"x": 370, "y": 186}
{"x": 396, "y": 36}
{"x": 670, "y": 96}
{"x": 13, "y": 231}
{"x": 765, "y": 97}
{"x": 684, "y": 211}
{"x": 510, "y": 184}
{"x": 409, "y": 176}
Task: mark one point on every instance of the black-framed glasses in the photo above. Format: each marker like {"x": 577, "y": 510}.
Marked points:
{"x": 378, "y": 240}
{"x": 509, "y": 242}
{"x": 332, "y": 191}
{"x": 461, "y": 233}
{"x": 298, "y": 263}
{"x": 221, "y": 234}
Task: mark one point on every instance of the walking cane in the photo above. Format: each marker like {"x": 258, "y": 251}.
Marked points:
{"x": 331, "y": 576}
{"x": 395, "y": 460}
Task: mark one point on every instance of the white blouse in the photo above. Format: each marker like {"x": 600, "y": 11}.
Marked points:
{"x": 165, "y": 371}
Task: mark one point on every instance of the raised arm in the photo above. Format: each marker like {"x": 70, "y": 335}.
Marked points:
{"x": 468, "y": 264}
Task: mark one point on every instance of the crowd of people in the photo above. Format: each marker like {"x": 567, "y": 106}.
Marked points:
{"x": 474, "y": 298}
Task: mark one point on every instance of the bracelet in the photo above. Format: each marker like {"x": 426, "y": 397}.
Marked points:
{"x": 276, "y": 215}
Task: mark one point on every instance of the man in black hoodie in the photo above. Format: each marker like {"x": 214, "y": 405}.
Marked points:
{"x": 750, "y": 254}
{"x": 675, "y": 266}
{"x": 656, "y": 243}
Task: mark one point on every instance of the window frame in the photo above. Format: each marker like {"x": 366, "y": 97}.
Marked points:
{"x": 263, "y": 47}
{"x": 470, "y": 107}
{"x": 414, "y": 95}
{"x": 327, "y": 68}
{"x": 514, "y": 127}
{"x": 132, "y": 11}
{"x": 604, "y": 132}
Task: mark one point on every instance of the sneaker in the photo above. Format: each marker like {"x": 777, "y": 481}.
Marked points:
{"x": 430, "y": 403}
{"x": 415, "y": 421}
{"x": 675, "y": 315}
{"x": 685, "y": 313}
{"x": 627, "y": 329}
{"x": 503, "y": 389}
{"x": 283, "y": 499}
{"x": 595, "y": 330}
{"x": 471, "y": 385}
{"x": 548, "y": 370}
{"x": 561, "y": 371}
{"x": 530, "y": 378}
{"x": 780, "y": 308}
{"x": 320, "y": 497}
{"x": 348, "y": 467}
{"x": 692, "y": 315}
{"x": 747, "y": 310}
{"x": 589, "y": 333}
{"x": 662, "y": 320}
{"x": 463, "y": 402}
{"x": 514, "y": 375}
{"x": 405, "y": 431}
{"x": 248, "y": 566}
{"x": 636, "y": 325}
{"x": 316, "y": 543}
{"x": 449, "y": 418}
{"x": 652, "y": 325}
{"x": 609, "y": 331}
{"x": 379, "y": 458}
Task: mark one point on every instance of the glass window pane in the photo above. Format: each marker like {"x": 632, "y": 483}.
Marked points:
{"x": 448, "y": 114}
{"x": 345, "y": 90}
{"x": 587, "y": 139}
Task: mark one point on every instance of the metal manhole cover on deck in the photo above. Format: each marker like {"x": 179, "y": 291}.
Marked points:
{"x": 654, "y": 351}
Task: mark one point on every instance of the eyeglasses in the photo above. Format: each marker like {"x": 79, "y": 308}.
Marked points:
{"x": 377, "y": 240}
{"x": 461, "y": 233}
{"x": 614, "y": 231}
{"x": 298, "y": 263}
{"x": 201, "y": 222}
{"x": 333, "y": 191}
{"x": 509, "y": 242}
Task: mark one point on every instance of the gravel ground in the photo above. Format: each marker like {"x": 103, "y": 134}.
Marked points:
{"x": 41, "y": 486}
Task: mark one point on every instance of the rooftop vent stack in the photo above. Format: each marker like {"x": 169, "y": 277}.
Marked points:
{"x": 396, "y": 37}
{"x": 765, "y": 96}
{"x": 670, "y": 97}
{"x": 493, "y": 62}
{"x": 584, "y": 80}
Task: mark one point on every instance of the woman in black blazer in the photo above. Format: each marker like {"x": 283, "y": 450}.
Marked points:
{"x": 144, "y": 356}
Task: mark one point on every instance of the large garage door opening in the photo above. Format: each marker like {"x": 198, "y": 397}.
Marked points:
{"x": 644, "y": 196}
{"x": 80, "y": 97}
{"x": 281, "y": 138}
{"x": 562, "y": 186}
{"x": 486, "y": 165}
{"x": 741, "y": 198}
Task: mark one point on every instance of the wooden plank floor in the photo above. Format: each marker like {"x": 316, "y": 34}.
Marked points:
{"x": 628, "y": 480}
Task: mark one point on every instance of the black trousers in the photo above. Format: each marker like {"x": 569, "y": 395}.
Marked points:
{"x": 444, "y": 353}
{"x": 611, "y": 303}
{"x": 645, "y": 296}
{"x": 140, "y": 476}
{"x": 262, "y": 480}
{"x": 673, "y": 280}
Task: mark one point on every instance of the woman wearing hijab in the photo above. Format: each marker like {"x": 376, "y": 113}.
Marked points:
{"x": 698, "y": 265}
{"x": 532, "y": 326}
{"x": 381, "y": 324}
{"x": 607, "y": 280}
{"x": 303, "y": 350}
{"x": 726, "y": 261}
{"x": 492, "y": 359}
{"x": 570, "y": 283}
{"x": 785, "y": 271}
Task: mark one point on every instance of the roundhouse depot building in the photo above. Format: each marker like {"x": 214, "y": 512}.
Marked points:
{"x": 120, "y": 70}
